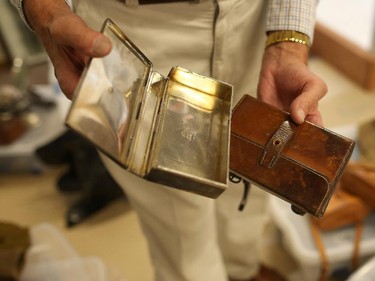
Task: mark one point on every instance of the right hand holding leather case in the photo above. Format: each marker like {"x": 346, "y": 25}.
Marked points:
{"x": 298, "y": 163}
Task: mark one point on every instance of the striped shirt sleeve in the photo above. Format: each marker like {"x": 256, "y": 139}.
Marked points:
{"x": 19, "y": 6}
{"x": 296, "y": 15}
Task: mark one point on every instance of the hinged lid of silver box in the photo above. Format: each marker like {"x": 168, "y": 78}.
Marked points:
{"x": 172, "y": 130}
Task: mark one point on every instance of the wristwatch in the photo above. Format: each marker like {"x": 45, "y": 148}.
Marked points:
{"x": 278, "y": 36}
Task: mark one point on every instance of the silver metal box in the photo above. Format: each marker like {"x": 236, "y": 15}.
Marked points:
{"x": 171, "y": 130}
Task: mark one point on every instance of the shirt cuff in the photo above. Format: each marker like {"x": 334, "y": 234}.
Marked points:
{"x": 19, "y": 6}
{"x": 292, "y": 15}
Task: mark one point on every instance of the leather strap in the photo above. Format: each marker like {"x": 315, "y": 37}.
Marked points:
{"x": 276, "y": 144}
{"x": 323, "y": 256}
{"x": 246, "y": 185}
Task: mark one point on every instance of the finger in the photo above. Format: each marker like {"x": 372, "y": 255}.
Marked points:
{"x": 72, "y": 31}
{"x": 67, "y": 74}
{"x": 68, "y": 82}
{"x": 315, "y": 118}
{"x": 306, "y": 104}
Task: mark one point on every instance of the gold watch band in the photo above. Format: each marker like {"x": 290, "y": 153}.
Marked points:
{"x": 287, "y": 36}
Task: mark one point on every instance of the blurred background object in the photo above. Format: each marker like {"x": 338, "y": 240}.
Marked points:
{"x": 347, "y": 39}
{"x": 21, "y": 50}
{"x": 32, "y": 115}
{"x": 28, "y": 117}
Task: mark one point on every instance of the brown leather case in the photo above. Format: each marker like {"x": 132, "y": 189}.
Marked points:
{"x": 298, "y": 163}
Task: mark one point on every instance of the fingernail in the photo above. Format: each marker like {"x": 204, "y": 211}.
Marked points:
{"x": 101, "y": 46}
{"x": 301, "y": 115}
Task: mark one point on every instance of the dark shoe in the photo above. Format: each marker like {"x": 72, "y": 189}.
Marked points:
{"x": 265, "y": 274}
{"x": 268, "y": 274}
{"x": 90, "y": 204}
{"x": 99, "y": 190}
{"x": 59, "y": 150}
{"x": 68, "y": 182}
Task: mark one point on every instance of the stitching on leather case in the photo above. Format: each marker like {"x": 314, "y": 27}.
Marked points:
{"x": 284, "y": 157}
{"x": 296, "y": 163}
{"x": 339, "y": 171}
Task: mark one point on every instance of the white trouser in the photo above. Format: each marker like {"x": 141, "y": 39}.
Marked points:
{"x": 193, "y": 238}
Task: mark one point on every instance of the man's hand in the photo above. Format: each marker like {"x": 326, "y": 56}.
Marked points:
{"x": 69, "y": 42}
{"x": 286, "y": 82}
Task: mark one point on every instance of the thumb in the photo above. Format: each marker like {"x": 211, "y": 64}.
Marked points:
{"x": 305, "y": 107}
{"x": 100, "y": 46}
{"x": 74, "y": 32}
{"x": 313, "y": 116}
